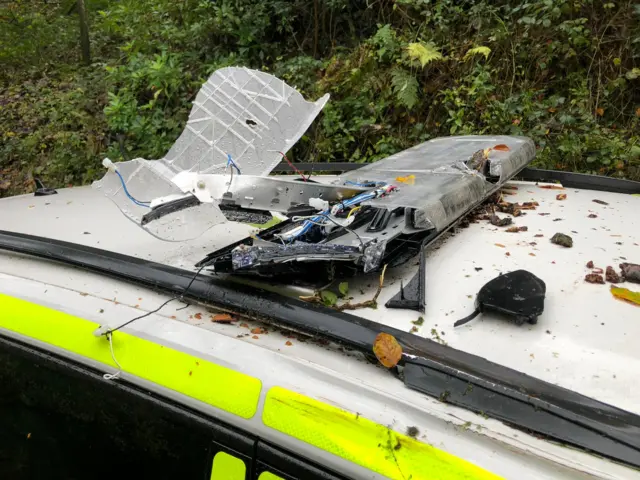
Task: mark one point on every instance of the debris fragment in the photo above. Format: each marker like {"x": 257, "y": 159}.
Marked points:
{"x": 592, "y": 215}
{"x": 198, "y": 316}
{"x": 612, "y": 276}
{"x": 552, "y": 187}
{"x": 626, "y": 295}
{"x": 557, "y": 219}
{"x": 516, "y": 229}
{"x": 409, "y": 179}
{"x": 255, "y": 337}
{"x": 499, "y": 245}
{"x": 594, "y": 278}
{"x": 258, "y": 331}
{"x": 590, "y": 264}
{"x": 562, "y": 239}
{"x": 419, "y": 321}
{"x": 538, "y": 235}
{"x": 500, "y": 222}
{"x": 413, "y": 432}
{"x": 630, "y": 272}
{"x": 544, "y": 214}
{"x": 387, "y": 350}
{"x": 601, "y": 202}
{"x": 244, "y": 325}
{"x": 502, "y": 148}
{"x": 529, "y": 205}
{"x": 597, "y": 270}
{"x": 561, "y": 196}
{"x": 288, "y": 343}
{"x": 223, "y": 318}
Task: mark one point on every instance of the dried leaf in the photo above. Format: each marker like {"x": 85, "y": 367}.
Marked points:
{"x": 552, "y": 187}
{"x": 198, "y": 316}
{"x": 590, "y": 264}
{"x": 255, "y": 337}
{"x": 343, "y": 288}
{"x": 594, "y": 278}
{"x": 288, "y": 343}
{"x": 244, "y": 325}
{"x": 222, "y": 318}
{"x": 562, "y": 239}
{"x": 626, "y": 295}
{"x": 532, "y": 254}
{"x": 502, "y": 148}
{"x": 612, "y": 276}
{"x": 387, "y": 350}
{"x": 258, "y": 330}
{"x": 600, "y": 111}
{"x": 561, "y": 196}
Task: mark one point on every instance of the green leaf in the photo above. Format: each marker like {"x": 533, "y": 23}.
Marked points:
{"x": 478, "y": 51}
{"x": 343, "y": 288}
{"x": 424, "y": 53}
{"x": 633, "y": 74}
{"x": 328, "y": 298}
{"x": 405, "y": 86}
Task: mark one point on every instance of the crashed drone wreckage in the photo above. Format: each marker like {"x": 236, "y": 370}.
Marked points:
{"x": 381, "y": 214}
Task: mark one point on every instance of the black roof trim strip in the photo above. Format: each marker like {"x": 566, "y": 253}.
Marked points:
{"x": 568, "y": 179}
{"x": 619, "y": 429}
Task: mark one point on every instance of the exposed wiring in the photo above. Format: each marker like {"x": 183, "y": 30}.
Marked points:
{"x": 112, "y": 376}
{"x": 366, "y": 184}
{"x": 124, "y": 187}
{"x": 354, "y": 209}
{"x": 231, "y": 163}
{"x": 176, "y": 297}
{"x": 295, "y": 169}
{"x": 347, "y": 229}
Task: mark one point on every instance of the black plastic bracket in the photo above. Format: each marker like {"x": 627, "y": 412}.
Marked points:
{"x": 412, "y": 297}
{"x": 42, "y": 190}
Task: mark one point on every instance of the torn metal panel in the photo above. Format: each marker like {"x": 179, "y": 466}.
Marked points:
{"x": 141, "y": 187}
{"x": 248, "y": 114}
{"x": 240, "y": 119}
{"x": 436, "y": 180}
{"x": 262, "y": 193}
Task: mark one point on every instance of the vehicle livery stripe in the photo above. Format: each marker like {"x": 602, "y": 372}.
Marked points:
{"x": 362, "y": 441}
{"x": 216, "y": 385}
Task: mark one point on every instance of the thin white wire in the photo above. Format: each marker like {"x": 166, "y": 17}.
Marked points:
{"x": 112, "y": 376}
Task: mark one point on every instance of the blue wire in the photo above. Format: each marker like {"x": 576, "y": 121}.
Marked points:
{"x": 124, "y": 186}
{"x": 367, "y": 184}
{"x": 232, "y": 163}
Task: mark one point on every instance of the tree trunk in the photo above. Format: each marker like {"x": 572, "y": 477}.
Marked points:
{"x": 84, "y": 32}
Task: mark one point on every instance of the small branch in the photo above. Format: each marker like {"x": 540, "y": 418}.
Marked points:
{"x": 371, "y": 303}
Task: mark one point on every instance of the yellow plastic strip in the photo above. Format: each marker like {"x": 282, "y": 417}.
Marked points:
{"x": 228, "y": 467}
{"x": 362, "y": 441}
{"x": 213, "y": 384}
{"x": 269, "y": 476}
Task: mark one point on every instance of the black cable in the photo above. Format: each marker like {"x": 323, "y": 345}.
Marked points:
{"x": 468, "y": 318}
{"x": 176, "y": 297}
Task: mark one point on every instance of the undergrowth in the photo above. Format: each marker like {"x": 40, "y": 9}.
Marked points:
{"x": 565, "y": 73}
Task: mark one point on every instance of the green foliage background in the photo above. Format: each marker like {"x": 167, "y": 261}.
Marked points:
{"x": 566, "y": 73}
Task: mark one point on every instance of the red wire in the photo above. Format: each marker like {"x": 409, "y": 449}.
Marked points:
{"x": 293, "y": 166}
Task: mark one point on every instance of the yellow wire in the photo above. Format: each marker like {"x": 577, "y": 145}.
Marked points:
{"x": 353, "y": 210}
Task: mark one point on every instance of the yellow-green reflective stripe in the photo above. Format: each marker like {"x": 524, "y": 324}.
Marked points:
{"x": 213, "y": 384}
{"x": 269, "y": 476}
{"x": 362, "y": 441}
{"x": 227, "y": 467}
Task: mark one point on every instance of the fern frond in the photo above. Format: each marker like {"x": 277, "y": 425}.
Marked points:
{"x": 405, "y": 87}
{"x": 424, "y": 53}
{"x": 478, "y": 51}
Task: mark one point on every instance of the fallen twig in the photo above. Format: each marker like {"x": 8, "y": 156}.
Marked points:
{"x": 372, "y": 303}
